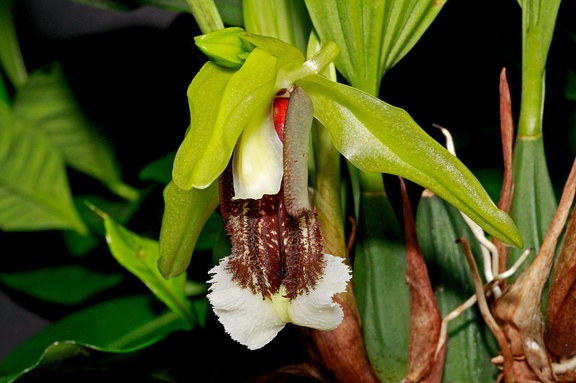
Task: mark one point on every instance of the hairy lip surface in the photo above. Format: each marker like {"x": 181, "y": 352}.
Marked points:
{"x": 271, "y": 248}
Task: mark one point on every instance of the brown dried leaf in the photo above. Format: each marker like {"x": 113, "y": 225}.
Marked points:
{"x": 507, "y": 133}
{"x": 425, "y": 317}
{"x": 519, "y": 307}
{"x": 561, "y": 311}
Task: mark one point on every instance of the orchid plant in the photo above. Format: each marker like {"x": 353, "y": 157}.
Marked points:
{"x": 232, "y": 110}
{"x": 277, "y": 184}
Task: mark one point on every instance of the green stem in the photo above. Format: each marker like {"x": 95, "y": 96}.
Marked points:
{"x": 371, "y": 182}
{"x": 207, "y": 15}
{"x": 10, "y": 55}
{"x": 316, "y": 64}
{"x": 327, "y": 200}
{"x": 538, "y": 21}
{"x": 530, "y": 122}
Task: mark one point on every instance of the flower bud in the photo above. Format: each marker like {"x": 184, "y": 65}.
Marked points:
{"x": 225, "y": 47}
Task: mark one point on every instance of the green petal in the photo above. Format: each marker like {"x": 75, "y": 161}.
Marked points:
{"x": 377, "y": 137}
{"x": 221, "y": 104}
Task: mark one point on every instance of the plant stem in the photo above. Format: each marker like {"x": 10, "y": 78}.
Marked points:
{"x": 206, "y": 14}
{"x": 10, "y": 55}
{"x": 538, "y": 21}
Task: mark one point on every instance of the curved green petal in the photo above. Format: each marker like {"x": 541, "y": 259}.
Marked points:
{"x": 377, "y": 137}
{"x": 221, "y": 103}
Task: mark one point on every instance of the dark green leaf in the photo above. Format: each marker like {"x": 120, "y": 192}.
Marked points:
{"x": 64, "y": 285}
{"x": 231, "y": 12}
{"x": 120, "y": 210}
{"x": 470, "y": 345}
{"x": 159, "y": 170}
{"x": 48, "y": 105}
{"x": 127, "y": 5}
{"x": 380, "y": 286}
{"x": 122, "y": 324}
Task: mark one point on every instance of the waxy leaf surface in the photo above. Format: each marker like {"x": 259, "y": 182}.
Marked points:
{"x": 377, "y": 137}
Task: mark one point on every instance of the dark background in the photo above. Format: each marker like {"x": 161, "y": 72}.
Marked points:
{"x": 130, "y": 71}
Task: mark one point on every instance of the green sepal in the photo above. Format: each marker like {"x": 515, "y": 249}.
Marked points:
{"x": 289, "y": 57}
{"x": 221, "y": 103}
{"x": 185, "y": 213}
{"x": 377, "y": 137}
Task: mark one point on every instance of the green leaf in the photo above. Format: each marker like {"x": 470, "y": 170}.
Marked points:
{"x": 180, "y": 6}
{"x": 185, "y": 215}
{"x": 140, "y": 256}
{"x": 286, "y": 20}
{"x": 120, "y": 210}
{"x": 471, "y": 346}
{"x": 221, "y": 103}
{"x": 231, "y": 12}
{"x": 380, "y": 285}
{"x": 49, "y": 105}
{"x": 123, "y": 324}
{"x": 4, "y": 98}
{"x": 377, "y": 137}
{"x": 65, "y": 285}
{"x": 372, "y": 35}
{"x": 34, "y": 190}
{"x": 77, "y": 362}
{"x": 159, "y": 170}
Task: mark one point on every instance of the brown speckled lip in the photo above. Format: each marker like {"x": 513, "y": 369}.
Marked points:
{"x": 270, "y": 247}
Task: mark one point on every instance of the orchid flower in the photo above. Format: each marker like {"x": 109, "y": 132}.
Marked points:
{"x": 277, "y": 272}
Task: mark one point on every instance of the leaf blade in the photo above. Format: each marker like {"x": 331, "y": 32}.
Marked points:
{"x": 356, "y": 120}
{"x": 139, "y": 255}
